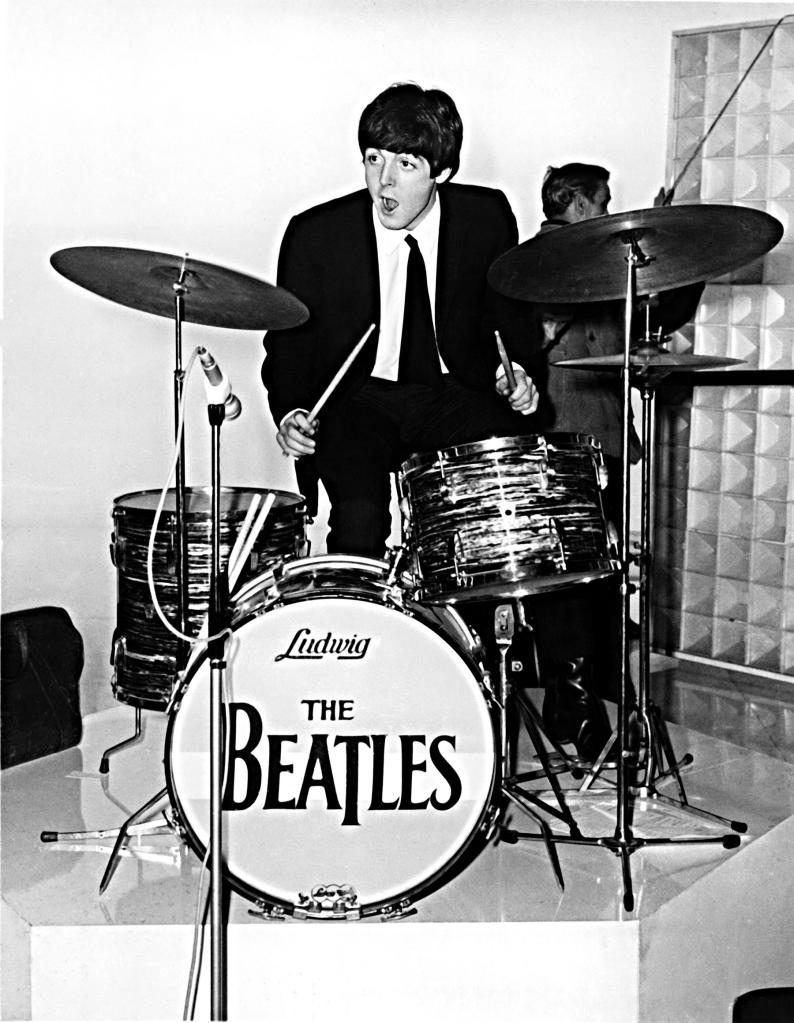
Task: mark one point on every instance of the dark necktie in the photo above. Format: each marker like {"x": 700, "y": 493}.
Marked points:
{"x": 419, "y": 363}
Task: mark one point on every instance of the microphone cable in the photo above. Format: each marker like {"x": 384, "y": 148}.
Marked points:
{"x": 192, "y": 640}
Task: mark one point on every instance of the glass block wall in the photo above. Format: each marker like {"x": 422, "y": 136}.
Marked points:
{"x": 723, "y": 585}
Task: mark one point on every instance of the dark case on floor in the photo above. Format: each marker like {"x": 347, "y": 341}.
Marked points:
{"x": 42, "y": 660}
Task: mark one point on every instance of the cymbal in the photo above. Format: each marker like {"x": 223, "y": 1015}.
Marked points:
{"x": 214, "y": 296}
{"x": 648, "y": 359}
{"x": 586, "y": 262}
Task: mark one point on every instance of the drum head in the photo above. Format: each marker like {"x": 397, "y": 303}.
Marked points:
{"x": 362, "y": 755}
{"x": 234, "y": 501}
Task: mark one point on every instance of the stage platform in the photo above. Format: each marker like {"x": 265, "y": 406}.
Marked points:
{"x": 500, "y": 941}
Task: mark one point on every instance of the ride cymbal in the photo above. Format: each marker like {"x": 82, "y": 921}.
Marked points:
{"x": 147, "y": 281}
{"x": 650, "y": 359}
{"x": 586, "y": 262}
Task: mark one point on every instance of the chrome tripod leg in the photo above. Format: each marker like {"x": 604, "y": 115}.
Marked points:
{"x": 546, "y": 836}
{"x": 157, "y": 803}
{"x": 136, "y": 824}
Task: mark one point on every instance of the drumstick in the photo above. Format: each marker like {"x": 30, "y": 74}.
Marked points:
{"x": 508, "y": 366}
{"x": 249, "y": 543}
{"x": 232, "y": 569}
{"x": 243, "y": 533}
{"x": 340, "y": 373}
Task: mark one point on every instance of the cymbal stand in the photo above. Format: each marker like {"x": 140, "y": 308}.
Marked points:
{"x": 180, "y": 553}
{"x": 624, "y": 842}
{"x": 181, "y": 561}
{"x": 656, "y": 749}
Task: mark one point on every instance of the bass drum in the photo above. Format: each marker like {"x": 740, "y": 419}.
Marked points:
{"x": 361, "y": 760}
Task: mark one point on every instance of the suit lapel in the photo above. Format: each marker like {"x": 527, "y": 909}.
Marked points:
{"x": 364, "y": 267}
{"x": 451, "y": 241}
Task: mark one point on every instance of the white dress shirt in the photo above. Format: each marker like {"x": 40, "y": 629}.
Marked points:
{"x": 392, "y": 273}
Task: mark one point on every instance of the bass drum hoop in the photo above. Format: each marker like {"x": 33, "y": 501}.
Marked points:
{"x": 477, "y": 835}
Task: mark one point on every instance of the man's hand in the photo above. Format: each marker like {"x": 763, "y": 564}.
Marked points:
{"x": 296, "y": 434}
{"x": 524, "y": 398}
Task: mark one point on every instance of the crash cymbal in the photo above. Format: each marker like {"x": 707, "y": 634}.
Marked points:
{"x": 586, "y": 262}
{"x": 648, "y": 360}
{"x": 214, "y": 296}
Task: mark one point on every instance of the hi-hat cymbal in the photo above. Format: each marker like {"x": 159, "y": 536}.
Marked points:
{"x": 213, "y": 295}
{"x": 649, "y": 360}
{"x": 586, "y": 262}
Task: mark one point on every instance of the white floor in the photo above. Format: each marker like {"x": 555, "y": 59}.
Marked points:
{"x": 505, "y": 941}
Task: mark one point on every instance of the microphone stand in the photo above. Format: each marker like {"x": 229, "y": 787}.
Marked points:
{"x": 216, "y": 623}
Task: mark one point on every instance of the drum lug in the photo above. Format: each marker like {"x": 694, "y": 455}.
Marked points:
{"x": 463, "y": 579}
{"x": 398, "y": 912}
{"x": 488, "y": 826}
{"x": 268, "y": 912}
{"x": 329, "y": 902}
{"x": 396, "y": 555}
{"x": 487, "y": 681}
{"x": 175, "y": 699}
{"x": 171, "y": 814}
{"x": 613, "y": 543}
{"x": 557, "y": 536}
{"x": 118, "y": 649}
{"x": 118, "y": 550}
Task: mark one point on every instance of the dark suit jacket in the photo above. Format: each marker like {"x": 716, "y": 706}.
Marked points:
{"x": 328, "y": 259}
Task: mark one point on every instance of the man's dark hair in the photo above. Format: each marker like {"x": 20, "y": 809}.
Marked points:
{"x": 408, "y": 119}
{"x": 562, "y": 184}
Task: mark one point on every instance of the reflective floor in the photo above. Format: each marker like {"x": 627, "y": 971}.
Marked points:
{"x": 739, "y": 732}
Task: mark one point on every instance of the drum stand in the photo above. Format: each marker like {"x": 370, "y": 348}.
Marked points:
{"x": 180, "y": 552}
{"x": 512, "y": 787}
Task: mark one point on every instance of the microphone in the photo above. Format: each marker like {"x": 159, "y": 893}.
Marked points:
{"x": 218, "y": 386}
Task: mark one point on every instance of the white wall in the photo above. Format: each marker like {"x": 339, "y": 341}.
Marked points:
{"x": 198, "y": 126}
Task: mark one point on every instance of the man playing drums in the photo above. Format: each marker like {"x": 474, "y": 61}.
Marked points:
{"x": 430, "y": 375}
